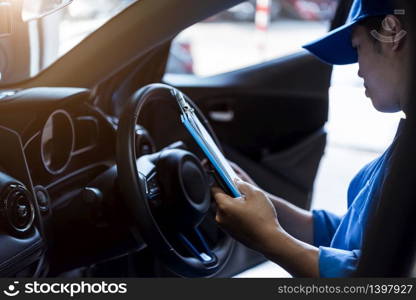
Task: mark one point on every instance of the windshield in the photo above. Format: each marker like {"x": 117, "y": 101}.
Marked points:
{"x": 83, "y": 17}
{"x": 34, "y": 45}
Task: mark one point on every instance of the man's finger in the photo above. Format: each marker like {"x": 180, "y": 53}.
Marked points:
{"x": 218, "y": 218}
{"x": 220, "y": 195}
{"x": 245, "y": 188}
{"x": 204, "y": 162}
{"x": 216, "y": 190}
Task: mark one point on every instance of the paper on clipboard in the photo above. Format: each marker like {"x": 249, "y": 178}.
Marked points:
{"x": 207, "y": 145}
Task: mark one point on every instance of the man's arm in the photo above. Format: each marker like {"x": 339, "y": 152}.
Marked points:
{"x": 253, "y": 221}
{"x": 296, "y": 221}
{"x": 298, "y": 258}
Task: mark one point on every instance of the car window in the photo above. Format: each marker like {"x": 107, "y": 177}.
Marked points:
{"x": 35, "y": 44}
{"x": 249, "y": 33}
{"x": 83, "y": 17}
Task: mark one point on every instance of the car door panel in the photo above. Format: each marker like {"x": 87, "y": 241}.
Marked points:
{"x": 270, "y": 120}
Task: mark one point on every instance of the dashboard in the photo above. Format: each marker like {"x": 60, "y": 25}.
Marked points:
{"x": 61, "y": 133}
{"x": 55, "y": 144}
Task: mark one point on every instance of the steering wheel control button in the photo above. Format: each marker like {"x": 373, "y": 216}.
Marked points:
{"x": 42, "y": 197}
{"x": 153, "y": 186}
{"x": 17, "y": 208}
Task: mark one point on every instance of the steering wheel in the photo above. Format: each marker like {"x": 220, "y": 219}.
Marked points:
{"x": 168, "y": 195}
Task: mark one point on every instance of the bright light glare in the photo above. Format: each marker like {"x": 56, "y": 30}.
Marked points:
{"x": 36, "y": 9}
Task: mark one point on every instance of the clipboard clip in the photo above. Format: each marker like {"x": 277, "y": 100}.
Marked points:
{"x": 183, "y": 105}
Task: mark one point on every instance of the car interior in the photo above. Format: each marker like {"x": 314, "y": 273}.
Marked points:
{"x": 99, "y": 178}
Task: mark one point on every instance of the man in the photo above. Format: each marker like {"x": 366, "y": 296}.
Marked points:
{"x": 318, "y": 243}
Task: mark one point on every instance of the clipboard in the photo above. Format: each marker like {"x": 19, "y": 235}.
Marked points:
{"x": 208, "y": 146}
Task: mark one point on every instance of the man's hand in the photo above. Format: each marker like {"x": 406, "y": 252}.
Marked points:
{"x": 250, "y": 219}
{"x": 253, "y": 221}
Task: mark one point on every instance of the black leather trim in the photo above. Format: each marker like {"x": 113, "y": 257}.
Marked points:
{"x": 16, "y": 254}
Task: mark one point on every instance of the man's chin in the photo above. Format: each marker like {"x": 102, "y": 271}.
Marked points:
{"x": 385, "y": 108}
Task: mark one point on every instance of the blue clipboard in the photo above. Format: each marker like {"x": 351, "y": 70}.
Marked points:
{"x": 207, "y": 145}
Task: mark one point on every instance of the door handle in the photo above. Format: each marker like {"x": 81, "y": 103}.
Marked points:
{"x": 221, "y": 116}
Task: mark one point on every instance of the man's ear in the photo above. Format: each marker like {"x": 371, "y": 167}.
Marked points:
{"x": 393, "y": 28}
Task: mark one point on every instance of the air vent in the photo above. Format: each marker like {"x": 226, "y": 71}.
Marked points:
{"x": 17, "y": 208}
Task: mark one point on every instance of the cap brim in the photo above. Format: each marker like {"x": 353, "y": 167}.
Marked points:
{"x": 335, "y": 48}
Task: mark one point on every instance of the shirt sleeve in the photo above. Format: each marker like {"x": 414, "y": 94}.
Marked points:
{"x": 335, "y": 263}
{"x": 324, "y": 226}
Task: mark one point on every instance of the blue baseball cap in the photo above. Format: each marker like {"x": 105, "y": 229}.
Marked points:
{"x": 336, "y": 48}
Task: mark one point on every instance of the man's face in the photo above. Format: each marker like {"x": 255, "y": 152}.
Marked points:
{"x": 379, "y": 70}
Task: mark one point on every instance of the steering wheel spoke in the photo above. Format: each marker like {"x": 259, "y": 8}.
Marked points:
{"x": 197, "y": 245}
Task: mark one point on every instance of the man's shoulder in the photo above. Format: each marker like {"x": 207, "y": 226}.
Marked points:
{"x": 367, "y": 172}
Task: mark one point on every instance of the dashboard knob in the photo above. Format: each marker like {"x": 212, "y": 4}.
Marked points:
{"x": 92, "y": 196}
{"x": 93, "y": 199}
{"x": 42, "y": 197}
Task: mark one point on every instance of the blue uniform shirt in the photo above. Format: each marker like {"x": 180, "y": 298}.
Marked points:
{"x": 339, "y": 239}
